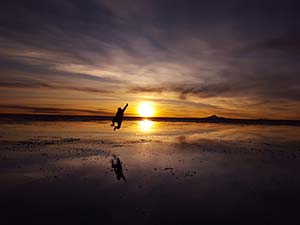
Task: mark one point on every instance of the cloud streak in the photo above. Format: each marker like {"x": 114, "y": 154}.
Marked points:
{"x": 36, "y": 84}
{"x": 54, "y": 110}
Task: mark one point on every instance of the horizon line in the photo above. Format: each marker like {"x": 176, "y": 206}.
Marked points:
{"x": 139, "y": 117}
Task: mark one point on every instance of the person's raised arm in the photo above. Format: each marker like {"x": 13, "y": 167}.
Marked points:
{"x": 125, "y": 107}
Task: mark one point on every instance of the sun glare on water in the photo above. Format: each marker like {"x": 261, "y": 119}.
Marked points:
{"x": 146, "y": 125}
{"x": 146, "y": 109}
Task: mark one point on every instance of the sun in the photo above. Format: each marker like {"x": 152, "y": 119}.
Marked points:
{"x": 146, "y": 109}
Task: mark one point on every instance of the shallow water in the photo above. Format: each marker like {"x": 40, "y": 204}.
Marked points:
{"x": 177, "y": 173}
{"x": 147, "y": 128}
{"x": 162, "y": 131}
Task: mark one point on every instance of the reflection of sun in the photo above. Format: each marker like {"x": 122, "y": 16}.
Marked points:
{"x": 146, "y": 125}
{"x": 146, "y": 109}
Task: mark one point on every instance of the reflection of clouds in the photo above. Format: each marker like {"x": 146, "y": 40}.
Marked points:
{"x": 146, "y": 125}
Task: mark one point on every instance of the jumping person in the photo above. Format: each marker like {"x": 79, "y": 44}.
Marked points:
{"x": 118, "y": 117}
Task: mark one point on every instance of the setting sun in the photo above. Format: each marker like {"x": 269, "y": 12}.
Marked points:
{"x": 146, "y": 109}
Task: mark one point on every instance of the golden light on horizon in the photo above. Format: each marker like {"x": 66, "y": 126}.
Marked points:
{"x": 145, "y": 109}
{"x": 145, "y": 125}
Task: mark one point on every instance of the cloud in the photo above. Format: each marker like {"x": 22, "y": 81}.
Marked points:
{"x": 271, "y": 87}
{"x": 287, "y": 44}
{"x": 37, "y": 84}
{"x": 53, "y": 110}
{"x": 182, "y": 50}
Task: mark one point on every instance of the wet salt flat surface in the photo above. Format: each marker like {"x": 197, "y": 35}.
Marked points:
{"x": 176, "y": 173}
{"x": 147, "y": 128}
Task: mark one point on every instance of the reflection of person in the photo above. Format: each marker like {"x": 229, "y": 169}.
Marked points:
{"x": 117, "y": 166}
{"x": 118, "y": 117}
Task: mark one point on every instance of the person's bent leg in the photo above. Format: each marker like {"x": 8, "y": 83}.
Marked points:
{"x": 119, "y": 125}
{"x": 113, "y": 122}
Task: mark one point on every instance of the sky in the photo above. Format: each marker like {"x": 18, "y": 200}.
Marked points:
{"x": 236, "y": 59}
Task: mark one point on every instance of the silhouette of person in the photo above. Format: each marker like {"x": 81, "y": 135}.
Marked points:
{"x": 118, "y": 117}
{"x": 117, "y": 166}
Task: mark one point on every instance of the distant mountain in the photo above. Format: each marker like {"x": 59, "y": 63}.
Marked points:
{"x": 214, "y": 117}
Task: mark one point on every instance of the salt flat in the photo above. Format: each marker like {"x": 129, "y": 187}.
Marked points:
{"x": 176, "y": 172}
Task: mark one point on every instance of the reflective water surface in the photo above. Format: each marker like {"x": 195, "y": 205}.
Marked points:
{"x": 149, "y": 171}
{"x": 166, "y": 131}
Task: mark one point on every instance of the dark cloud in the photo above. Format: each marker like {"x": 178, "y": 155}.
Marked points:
{"x": 19, "y": 84}
{"x": 273, "y": 87}
{"x": 37, "y": 84}
{"x": 53, "y": 110}
{"x": 286, "y": 44}
{"x": 148, "y": 89}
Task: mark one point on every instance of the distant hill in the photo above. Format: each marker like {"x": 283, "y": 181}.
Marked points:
{"x": 15, "y": 118}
